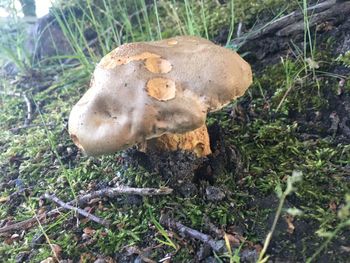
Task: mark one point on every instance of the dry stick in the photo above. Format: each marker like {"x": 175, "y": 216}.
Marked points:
{"x": 107, "y": 192}
{"x": 216, "y": 245}
{"x": 80, "y": 211}
{"x": 119, "y": 190}
{"x": 29, "y": 110}
{"x": 29, "y": 223}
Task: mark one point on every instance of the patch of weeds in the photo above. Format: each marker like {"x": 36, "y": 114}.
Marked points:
{"x": 13, "y": 45}
{"x": 129, "y": 226}
{"x": 166, "y": 239}
{"x": 296, "y": 177}
{"x": 231, "y": 255}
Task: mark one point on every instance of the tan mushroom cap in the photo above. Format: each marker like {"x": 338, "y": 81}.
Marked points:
{"x": 146, "y": 90}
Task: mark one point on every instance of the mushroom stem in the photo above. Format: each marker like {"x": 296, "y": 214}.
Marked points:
{"x": 196, "y": 141}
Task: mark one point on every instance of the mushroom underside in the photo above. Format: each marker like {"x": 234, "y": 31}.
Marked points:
{"x": 196, "y": 141}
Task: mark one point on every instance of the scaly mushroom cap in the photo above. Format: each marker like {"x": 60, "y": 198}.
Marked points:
{"x": 143, "y": 90}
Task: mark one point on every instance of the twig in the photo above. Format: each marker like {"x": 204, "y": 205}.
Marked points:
{"x": 290, "y": 19}
{"x": 107, "y": 192}
{"x": 239, "y": 29}
{"x": 216, "y": 245}
{"x": 29, "y": 117}
{"x": 265, "y": 44}
{"x": 219, "y": 246}
{"x": 29, "y": 223}
{"x": 120, "y": 190}
{"x": 80, "y": 211}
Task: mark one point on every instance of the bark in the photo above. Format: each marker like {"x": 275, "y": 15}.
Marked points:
{"x": 283, "y": 36}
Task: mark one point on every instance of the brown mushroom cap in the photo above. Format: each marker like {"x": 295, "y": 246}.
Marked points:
{"x": 143, "y": 90}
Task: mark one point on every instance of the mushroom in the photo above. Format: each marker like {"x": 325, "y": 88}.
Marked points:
{"x": 157, "y": 95}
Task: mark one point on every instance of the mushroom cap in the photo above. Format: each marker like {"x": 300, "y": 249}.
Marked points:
{"x": 143, "y": 90}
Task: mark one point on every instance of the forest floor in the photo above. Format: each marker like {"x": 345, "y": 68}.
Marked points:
{"x": 291, "y": 127}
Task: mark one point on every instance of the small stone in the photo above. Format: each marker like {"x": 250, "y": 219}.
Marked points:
{"x": 188, "y": 190}
{"x": 22, "y": 257}
{"x": 214, "y": 193}
{"x": 204, "y": 252}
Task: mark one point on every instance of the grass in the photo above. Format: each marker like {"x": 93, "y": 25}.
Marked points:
{"x": 43, "y": 158}
{"x": 296, "y": 177}
{"x": 163, "y": 232}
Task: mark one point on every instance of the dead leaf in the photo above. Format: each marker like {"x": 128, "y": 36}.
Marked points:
{"x": 41, "y": 210}
{"x": 289, "y": 220}
{"x": 94, "y": 200}
{"x": 89, "y": 231}
{"x": 14, "y": 236}
{"x": 258, "y": 247}
{"x": 234, "y": 241}
{"x": 333, "y": 206}
{"x": 135, "y": 250}
{"x": 57, "y": 250}
{"x": 100, "y": 206}
{"x": 4, "y": 199}
{"x": 345, "y": 249}
{"x": 87, "y": 257}
{"x": 8, "y": 241}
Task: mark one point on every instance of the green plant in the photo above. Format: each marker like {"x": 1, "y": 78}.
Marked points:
{"x": 232, "y": 256}
{"x": 12, "y": 45}
{"x": 290, "y": 188}
{"x": 344, "y": 218}
{"x": 162, "y": 231}
{"x": 292, "y": 71}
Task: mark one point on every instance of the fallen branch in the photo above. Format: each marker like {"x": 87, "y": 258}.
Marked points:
{"x": 80, "y": 211}
{"x": 121, "y": 190}
{"x": 29, "y": 223}
{"x": 109, "y": 192}
{"x": 294, "y": 21}
{"x": 219, "y": 246}
{"x": 267, "y": 43}
{"x": 216, "y": 245}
